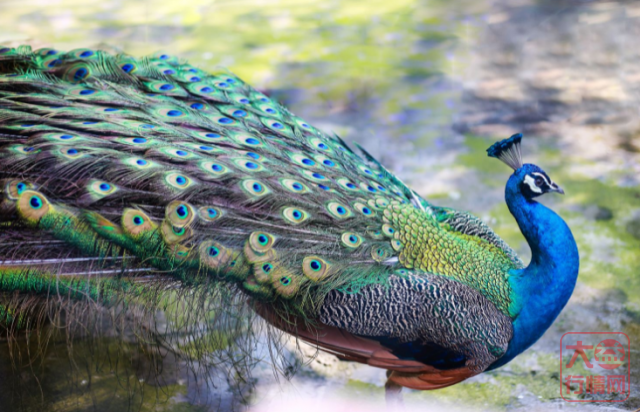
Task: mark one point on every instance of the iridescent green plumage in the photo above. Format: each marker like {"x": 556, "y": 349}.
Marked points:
{"x": 433, "y": 247}
{"x": 150, "y": 166}
{"x": 261, "y": 167}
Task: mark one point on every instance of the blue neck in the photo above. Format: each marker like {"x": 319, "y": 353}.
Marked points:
{"x": 540, "y": 291}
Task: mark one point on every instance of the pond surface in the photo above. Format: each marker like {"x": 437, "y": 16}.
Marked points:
{"x": 425, "y": 86}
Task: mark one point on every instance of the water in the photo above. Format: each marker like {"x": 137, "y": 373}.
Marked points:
{"x": 425, "y": 86}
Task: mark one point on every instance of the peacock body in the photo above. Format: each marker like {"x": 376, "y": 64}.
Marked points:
{"x": 114, "y": 168}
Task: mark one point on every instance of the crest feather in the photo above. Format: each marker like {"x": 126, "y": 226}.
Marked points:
{"x": 508, "y": 150}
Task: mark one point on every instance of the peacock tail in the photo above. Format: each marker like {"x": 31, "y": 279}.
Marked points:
{"x": 116, "y": 170}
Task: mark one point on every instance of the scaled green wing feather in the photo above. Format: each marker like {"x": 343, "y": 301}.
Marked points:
{"x": 152, "y": 164}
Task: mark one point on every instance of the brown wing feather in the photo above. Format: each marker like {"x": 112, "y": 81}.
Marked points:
{"x": 429, "y": 381}
{"x": 347, "y": 346}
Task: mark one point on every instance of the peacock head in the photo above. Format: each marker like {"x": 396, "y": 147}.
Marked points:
{"x": 530, "y": 179}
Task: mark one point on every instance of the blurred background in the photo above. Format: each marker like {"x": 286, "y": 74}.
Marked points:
{"x": 426, "y": 86}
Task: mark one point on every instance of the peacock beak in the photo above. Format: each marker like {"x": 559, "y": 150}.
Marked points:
{"x": 556, "y": 188}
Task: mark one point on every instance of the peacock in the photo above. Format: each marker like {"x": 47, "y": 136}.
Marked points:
{"x": 114, "y": 168}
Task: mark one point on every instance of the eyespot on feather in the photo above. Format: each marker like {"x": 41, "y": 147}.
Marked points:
{"x": 179, "y": 214}
{"x": 98, "y": 189}
{"x": 364, "y": 209}
{"x": 262, "y": 271}
{"x": 173, "y": 234}
{"x": 85, "y": 93}
{"x": 206, "y": 91}
{"x": 136, "y": 222}
{"x": 170, "y": 113}
{"x": 294, "y": 215}
{"x": 368, "y": 187}
{"x": 166, "y": 88}
{"x": 236, "y": 112}
{"x": 319, "y": 144}
{"x": 387, "y": 230}
{"x": 294, "y": 186}
{"x": 396, "y": 245}
{"x": 46, "y": 51}
{"x": 246, "y": 139}
{"x": 338, "y": 210}
{"x": 213, "y": 254}
{"x": 254, "y": 188}
{"x": 210, "y": 213}
{"x": 303, "y": 125}
{"x": 208, "y": 149}
{"x": 315, "y": 268}
{"x": 128, "y": 65}
{"x": 14, "y": 188}
{"x": 69, "y": 153}
{"x": 365, "y": 170}
{"x": 248, "y": 164}
{"x": 200, "y": 106}
{"x": 239, "y": 98}
{"x": 327, "y": 162}
{"x": 315, "y": 176}
{"x": 214, "y": 169}
{"x": 78, "y": 72}
{"x": 83, "y": 53}
{"x": 23, "y": 150}
{"x": 302, "y": 160}
{"x": 139, "y": 142}
{"x": 347, "y": 184}
{"x": 178, "y": 180}
{"x": 375, "y": 232}
{"x": 285, "y": 283}
{"x": 32, "y": 205}
{"x": 351, "y": 240}
{"x": 177, "y": 154}
{"x": 261, "y": 242}
{"x": 381, "y": 253}
{"x": 163, "y": 57}
{"x": 268, "y": 110}
{"x": 277, "y": 126}
{"x": 61, "y": 137}
{"x": 139, "y": 163}
{"x": 222, "y": 84}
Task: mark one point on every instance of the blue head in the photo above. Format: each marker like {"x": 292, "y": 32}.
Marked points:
{"x": 528, "y": 179}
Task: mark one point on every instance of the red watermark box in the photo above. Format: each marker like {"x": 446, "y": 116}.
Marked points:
{"x": 595, "y": 367}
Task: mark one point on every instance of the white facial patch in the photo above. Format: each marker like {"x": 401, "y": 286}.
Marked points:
{"x": 547, "y": 181}
{"x": 532, "y": 184}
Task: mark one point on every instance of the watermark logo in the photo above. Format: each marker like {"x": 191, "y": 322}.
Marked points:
{"x": 595, "y": 367}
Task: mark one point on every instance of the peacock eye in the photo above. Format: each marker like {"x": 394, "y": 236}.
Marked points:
{"x": 539, "y": 181}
